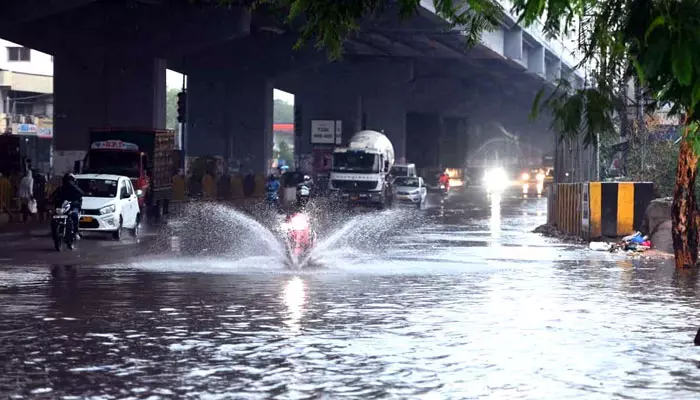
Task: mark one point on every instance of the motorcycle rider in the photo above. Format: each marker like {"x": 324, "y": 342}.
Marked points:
{"x": 444, "y": 180}
{"x": 71, "y": 193}
{"x": 272, "y": 187}
{"x": 304, "y": 191}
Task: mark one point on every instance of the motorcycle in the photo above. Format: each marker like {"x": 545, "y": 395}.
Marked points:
{"x": 299, "y": 235}
{"x": 272, "y": 199}
{"x": 444, "y": 190}
{"x": 62, "y": 229}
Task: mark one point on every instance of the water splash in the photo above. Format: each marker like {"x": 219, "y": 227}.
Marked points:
{"x": 220, "y": 230}
{"x": 361, "y": 237}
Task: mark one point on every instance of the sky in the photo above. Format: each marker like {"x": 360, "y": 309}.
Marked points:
{"x": 173, "y": 80}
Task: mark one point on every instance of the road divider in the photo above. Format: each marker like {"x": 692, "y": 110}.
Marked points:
{"x": 599, "y": 209}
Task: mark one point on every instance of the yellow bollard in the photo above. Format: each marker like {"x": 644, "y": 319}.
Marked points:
{"x": 209, "y": 187}
{"x": 236, "y": 187}
{"x": 260, "y": 182}
{"x": 179, "y": 188}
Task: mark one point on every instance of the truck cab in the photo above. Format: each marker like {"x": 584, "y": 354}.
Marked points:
{"x": 360, "y": 172}
{"x": 117, "y": 157}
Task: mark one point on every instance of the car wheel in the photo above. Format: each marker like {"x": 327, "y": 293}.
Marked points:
{"x": 117, "y": 235}
{"x": 137, "y": 227}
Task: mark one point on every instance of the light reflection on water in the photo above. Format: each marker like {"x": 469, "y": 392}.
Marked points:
{"x": 441, "y": 317}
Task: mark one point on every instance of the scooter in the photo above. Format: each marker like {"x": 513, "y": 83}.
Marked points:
{"x": 272, "y": 199}
{"x": 300, "y": 237}
{"x": 62, "y": 229}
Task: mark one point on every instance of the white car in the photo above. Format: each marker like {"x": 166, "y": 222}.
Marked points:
{"x": 110, "y": 204}
{"x": 410, "y": 189}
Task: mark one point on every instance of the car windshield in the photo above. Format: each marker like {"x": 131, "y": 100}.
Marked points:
{"x": 115, "y": 162}
{"x": 355, "y": 162}
{"x": 399, "y": 171}
{"x": 410, "y": 182}
{"x": 98, "y": 187}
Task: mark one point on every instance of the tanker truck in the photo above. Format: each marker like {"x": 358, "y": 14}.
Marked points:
{"x": 360, "y": 171}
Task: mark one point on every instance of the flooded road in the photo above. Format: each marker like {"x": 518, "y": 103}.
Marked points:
{"x": 455, "y": 301}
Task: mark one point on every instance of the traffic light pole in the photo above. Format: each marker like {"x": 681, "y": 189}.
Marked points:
{"x": 183, "y": 124}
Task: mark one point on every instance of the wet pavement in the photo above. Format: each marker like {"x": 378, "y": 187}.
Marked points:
{"x": 455, "y": 301}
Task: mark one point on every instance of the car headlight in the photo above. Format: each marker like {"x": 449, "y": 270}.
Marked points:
{"x": 108, "y": 209}
{"x": 526, "y": 176}
{"x": 415, "y": 192}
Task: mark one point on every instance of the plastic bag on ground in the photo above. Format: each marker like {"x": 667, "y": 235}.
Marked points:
{"x": 600, "y": 246}
{"x": 32, "y": 206}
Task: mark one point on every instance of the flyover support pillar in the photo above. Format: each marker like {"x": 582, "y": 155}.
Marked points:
{"x": 423, "y": 135}
{"x": 388, "y": 115}
{"x": 100, "y": 90}
{"x": 311, "y": 106}
{"x": 230, "y": 116}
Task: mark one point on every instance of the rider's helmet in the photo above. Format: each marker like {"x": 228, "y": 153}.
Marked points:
{"x": 306, "y": 178}
{"x": 68, "y": 178}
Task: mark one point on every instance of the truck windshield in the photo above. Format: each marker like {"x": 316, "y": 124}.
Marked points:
{"x": 98, "y": 187}
{"x": 114, "y": 162}
{"x": 355, "y": 162}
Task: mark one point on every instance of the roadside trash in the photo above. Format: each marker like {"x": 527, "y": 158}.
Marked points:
{"x": 632, "y": 244}
{"x": 600, "y": 246}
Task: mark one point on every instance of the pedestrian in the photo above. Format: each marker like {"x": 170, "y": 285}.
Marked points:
{"x": 249, "y": 184}
{"x": 26, "y": 194}
{"x": 40, "y": 193}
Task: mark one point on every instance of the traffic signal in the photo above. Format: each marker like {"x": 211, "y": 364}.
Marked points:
{"x": 181, "y": 107}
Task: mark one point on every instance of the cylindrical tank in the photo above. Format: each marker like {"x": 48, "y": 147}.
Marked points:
{"x": 373, "y": 140}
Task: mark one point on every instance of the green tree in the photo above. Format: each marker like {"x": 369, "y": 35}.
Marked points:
{"x": 286, "y": 153}
{"x": 283, "y": 112}
{"x": 171, "y": 109}
{"x": 653, "y": 42}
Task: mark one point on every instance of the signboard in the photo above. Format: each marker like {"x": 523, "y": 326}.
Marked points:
{"x": 44, "y": 128}
{"x": 24, "y": 129}
{"x": 114, "y": 145}
{"x": 322, "y": 132}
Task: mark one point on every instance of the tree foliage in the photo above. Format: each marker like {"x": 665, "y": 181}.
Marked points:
{"x": 283, "y": 112}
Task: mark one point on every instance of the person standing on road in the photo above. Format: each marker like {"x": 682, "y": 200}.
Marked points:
{"x": 26, "y": 194}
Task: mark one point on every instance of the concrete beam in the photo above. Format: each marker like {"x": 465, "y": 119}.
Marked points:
{"x": 357, "y": 78}
{"x": 513, "y": 44}
{"x": 18, "y": 12}
{"x": 553, "y": 69}
{"x": 145, "y": 30}
{"x": 536, "y": 61}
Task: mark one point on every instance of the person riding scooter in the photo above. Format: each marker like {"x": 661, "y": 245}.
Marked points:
{"x": 272, "y": 188}
{"x": 304, "y": 191}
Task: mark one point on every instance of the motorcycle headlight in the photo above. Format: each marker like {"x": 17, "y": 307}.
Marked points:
{"x": 108, "y": 209}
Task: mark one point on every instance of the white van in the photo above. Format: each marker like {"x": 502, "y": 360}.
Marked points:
{"x": 404, "y": 170}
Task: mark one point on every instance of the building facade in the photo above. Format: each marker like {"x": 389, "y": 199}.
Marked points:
{"x": 26, "y": 101}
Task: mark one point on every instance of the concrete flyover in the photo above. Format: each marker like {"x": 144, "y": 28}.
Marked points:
{"x": 414, "y": 78}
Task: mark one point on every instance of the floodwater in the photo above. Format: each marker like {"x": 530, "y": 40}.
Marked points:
{"x": 456, "y": 301}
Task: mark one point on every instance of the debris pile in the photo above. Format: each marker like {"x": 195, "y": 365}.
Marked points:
{"x": 632, "y": 244}
{"x": 552, "y": 231}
